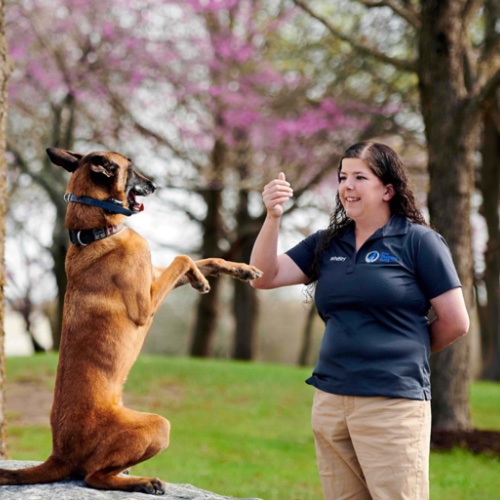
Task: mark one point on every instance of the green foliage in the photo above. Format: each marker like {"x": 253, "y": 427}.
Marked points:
{"x": 237, "y": 429}
{"x": 28, "y": 442}
{"x": 32, "y": 369}
{"x": 485, "y": 405}
{"x": 243, "y": 429}
{"x": 460, "y": 475}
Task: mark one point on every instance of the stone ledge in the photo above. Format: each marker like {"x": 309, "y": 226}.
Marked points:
{"x": 77, "y": 490}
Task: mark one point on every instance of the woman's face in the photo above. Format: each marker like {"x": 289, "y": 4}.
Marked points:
{"x": 361, "y": 192}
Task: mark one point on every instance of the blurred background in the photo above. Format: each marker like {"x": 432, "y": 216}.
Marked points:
{"x": 212, "y": 99}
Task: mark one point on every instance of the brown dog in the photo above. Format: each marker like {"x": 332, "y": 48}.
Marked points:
{"x": 112, "y": 296}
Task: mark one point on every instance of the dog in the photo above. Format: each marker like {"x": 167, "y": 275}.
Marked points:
{"x": 112, "y": 295}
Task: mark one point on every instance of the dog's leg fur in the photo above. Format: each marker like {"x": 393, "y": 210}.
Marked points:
{"x": 216, "y": 267}
{"x": 145, "y": 436}
{"x": 166, "y": 279}
{"x": 110, "y": 481}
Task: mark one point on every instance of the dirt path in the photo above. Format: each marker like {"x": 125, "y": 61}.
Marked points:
{"x": 28, "y": 403}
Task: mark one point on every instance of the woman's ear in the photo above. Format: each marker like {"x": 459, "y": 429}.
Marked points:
{"x": 389, "y": 192}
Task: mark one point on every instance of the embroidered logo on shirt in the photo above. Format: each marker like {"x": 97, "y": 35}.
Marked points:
{"x": 382, "y": 257}
{"x": 372, "y": 257}
{"x": 338, "y": 259}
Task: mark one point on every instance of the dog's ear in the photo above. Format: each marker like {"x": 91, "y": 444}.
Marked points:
{"x": 65, "y": 159}
{"x": 101, "y": 165}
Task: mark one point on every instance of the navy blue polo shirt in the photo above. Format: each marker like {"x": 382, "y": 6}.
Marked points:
{"x": 374, "y": 304}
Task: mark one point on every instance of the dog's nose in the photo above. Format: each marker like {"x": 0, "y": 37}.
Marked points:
{"x": 153, "y": 187}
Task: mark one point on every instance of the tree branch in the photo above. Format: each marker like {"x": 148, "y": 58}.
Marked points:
{"x": 490, "y": 56}
{"x": 485, "y": 93}
{"x": 47, "y": 184}
{"x": 118, "y": 104}
{"x": 470, "y": 10}
{"x": 182, "y": 208}
{"x": 408, "y": 14}
{"x": 401, "y": 64}
{"x": 315, "y": 179}
{"x": 488, "y": 67}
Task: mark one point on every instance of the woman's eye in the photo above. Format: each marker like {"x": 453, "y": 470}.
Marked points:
{"x": 342, "y": 179}
{"x": 360, "y": 177}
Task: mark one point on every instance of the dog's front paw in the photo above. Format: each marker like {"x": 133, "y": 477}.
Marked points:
{"x": 200, "y": 284}
{"x": 201, "y": 287}
{"x": 197, "y": 280}
{"x": 247, "y": 273}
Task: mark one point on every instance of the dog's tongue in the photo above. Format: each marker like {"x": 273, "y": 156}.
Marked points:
{"x": 136, "y": 207}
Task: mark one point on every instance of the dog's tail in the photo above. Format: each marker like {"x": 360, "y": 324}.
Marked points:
{"x": 50, "y": 471}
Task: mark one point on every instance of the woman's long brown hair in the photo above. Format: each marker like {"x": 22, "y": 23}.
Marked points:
{"x": 385, "y": 163}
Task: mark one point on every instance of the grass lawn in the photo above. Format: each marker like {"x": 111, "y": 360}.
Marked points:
{"x": 243, "y": 429}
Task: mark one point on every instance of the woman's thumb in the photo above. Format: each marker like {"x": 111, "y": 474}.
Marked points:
{"x": 281, "y": 176}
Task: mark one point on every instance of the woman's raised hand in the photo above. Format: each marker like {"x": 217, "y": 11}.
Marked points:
{"x": 275, "y": 194}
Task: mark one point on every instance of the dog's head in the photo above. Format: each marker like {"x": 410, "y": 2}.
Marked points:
{"x": 104, "y": 176}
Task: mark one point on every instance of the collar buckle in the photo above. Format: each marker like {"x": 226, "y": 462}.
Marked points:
{"x": 78, "y": 239}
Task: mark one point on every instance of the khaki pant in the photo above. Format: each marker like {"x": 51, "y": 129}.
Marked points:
{"x": 372, "y": 447}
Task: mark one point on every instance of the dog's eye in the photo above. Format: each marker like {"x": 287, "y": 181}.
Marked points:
{"x": 99, "y": 160}
{"x": 102, "y": 161}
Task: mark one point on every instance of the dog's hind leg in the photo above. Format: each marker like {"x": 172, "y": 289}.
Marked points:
{"x": 108, "y": 480}
{"x": 133, "y": 438}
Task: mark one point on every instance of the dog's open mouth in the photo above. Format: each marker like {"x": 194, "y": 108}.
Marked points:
{"x": 133, "y": 205}
{"x": 137, "y": 185}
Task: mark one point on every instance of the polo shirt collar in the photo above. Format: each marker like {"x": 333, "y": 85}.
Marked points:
{"x": 397, "y": 225}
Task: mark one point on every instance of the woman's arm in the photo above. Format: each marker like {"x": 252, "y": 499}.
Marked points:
{"x": 279, "y": 270}
{"x": 452, "y": 319}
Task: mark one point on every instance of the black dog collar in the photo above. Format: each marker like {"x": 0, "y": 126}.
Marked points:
{"x": 86, "y": 236}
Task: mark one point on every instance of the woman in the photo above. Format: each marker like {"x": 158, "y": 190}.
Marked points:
{"x": 377, "y": 269}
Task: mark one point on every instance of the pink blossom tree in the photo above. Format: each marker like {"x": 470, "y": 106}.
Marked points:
{"x": 205, "y": 83}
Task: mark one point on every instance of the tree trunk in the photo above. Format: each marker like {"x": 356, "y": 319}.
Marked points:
{"x": 489, "y": 184}
{"x": 450, "y": 208}
{"x": 207, "y": 311}
{"x": 246, "y": 307}
{"x": 451, "y": 138}
{"x": 26, "y": 310}
{"x": 4, "y": 76}
{"x": 307, "y": 336}
{"x": 205, "y": 326}
{"x": 58, "y": 250}
{"x": 245, "y": 302}
{"x": 62, "y": 137}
